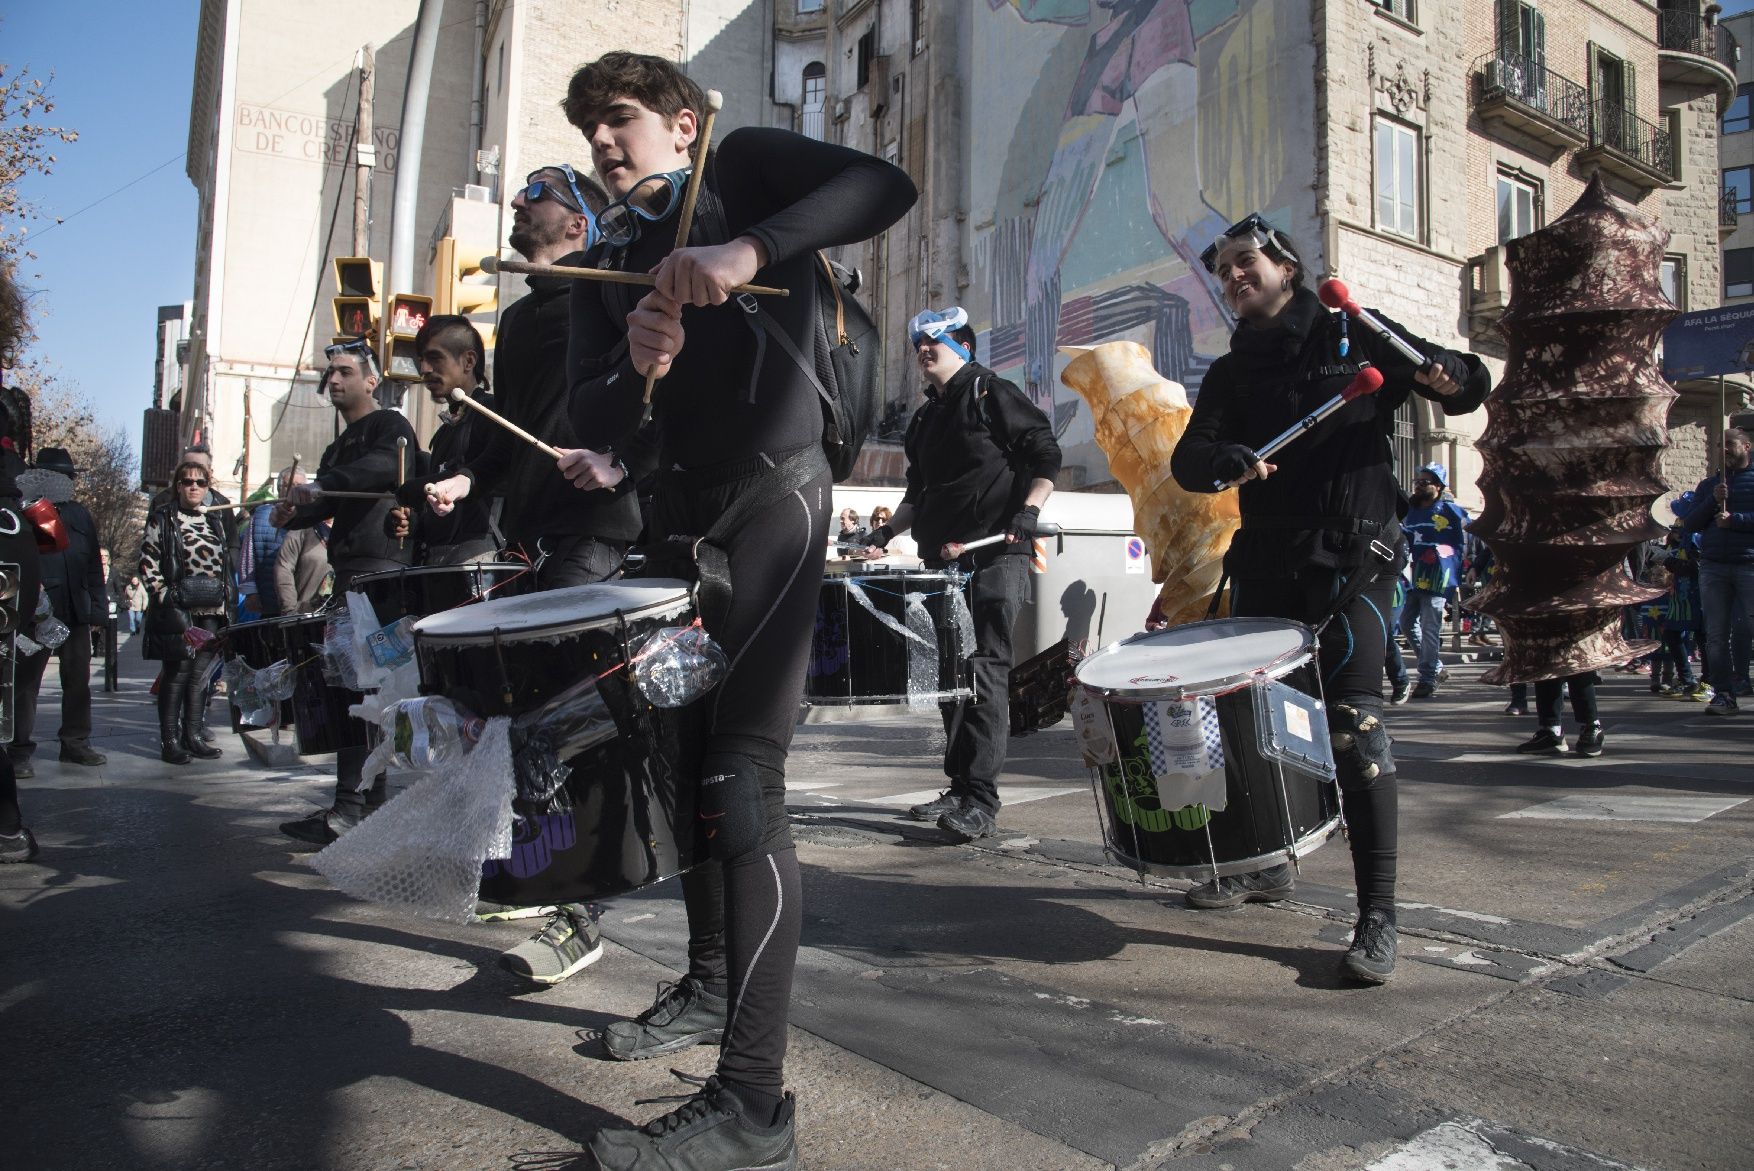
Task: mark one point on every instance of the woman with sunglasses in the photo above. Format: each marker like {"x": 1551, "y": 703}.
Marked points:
{"x": 1320, "y": 541}
{"x": 730, "y": 407}
{"x": 186, "y": 567}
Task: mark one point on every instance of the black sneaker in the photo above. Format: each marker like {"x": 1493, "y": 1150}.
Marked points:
{"x": 85, "y": 754}
{"x": 684, "y": 1015}
{"x": 1722, "y": 704}
{"x": 1516, "y": 709}
{"x": 1424, "y": 690}
{"x": 319, "y": 829}
{"x": 1372, "y": 955}
{"x": 709, "y": 1132}
{"x": 1402, "y": 690}
{"x": 568, "y": 943}
{"x": 945, "y": 802}
{"x": 969, "y": 821}
{"x": 18, "y": 847}
{"x": 1261, "y": 886}
{"x": 1545, "y": 741}
{"x": 22, "y": 769}
{"x": 1589, "y": 741}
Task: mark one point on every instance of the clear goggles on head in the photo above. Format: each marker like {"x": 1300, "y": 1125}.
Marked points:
{"x": 652, "y": 200}
{"x": 1249, "y": 232}
{"x": 936, "y": 325}
{"x": 360, "y": 348}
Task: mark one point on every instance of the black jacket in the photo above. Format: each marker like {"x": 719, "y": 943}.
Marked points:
{"x": 972, "y": 451}
{"x": 75, "y": 579}
{"x": 1335, "y": 489}
{"x": 362, "y": 459}
{"x": 459, "y": 439}
{"x": 529, "y": 370}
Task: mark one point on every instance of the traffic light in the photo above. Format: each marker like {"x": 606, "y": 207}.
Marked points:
{"x": 358, "y": 287}
{"x": 407, "y": 316}
{"x": 459, "y": 283}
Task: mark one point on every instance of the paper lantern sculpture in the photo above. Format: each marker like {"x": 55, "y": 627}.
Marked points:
{"x": 1140, "y": 416}
{"x": 1574, "y": 436}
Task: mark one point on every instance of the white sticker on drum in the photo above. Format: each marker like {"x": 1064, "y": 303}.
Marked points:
{"x": 1297, "y": 722}
{"x": 1095, "y": 733}
{"x": 1185, "y": 746}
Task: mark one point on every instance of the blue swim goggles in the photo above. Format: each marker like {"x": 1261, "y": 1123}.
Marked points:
{"x": 652, "y": 200}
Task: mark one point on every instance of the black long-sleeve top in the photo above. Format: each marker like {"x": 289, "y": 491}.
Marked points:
{"x": 793, "y": 194}
{"x": 362, "y": 459}
{"x": 462, "y": 435}
{"x": 1340, "y": 471}
{"x": 529, "y": 375}
{"x": 973, "y": 449}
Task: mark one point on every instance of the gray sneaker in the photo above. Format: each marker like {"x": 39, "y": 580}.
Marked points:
{"x": 18, "y": 847}
{"x": 945, "y": 802}
{"x": 709, "y": 1132}
{"x": 684, "y": 1015}
{"x": 1372, "y": 955}
{"x": 1261, "y": 886}
{"x": 489, "y": 912}
{"x": 568, "y": 943}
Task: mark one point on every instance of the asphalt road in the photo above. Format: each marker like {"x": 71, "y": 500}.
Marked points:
{"x": 180, "y": 990}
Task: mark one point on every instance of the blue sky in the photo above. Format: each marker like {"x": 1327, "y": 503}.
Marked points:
{"x": 122, "y": 75}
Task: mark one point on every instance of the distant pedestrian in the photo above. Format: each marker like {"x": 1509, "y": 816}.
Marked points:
{"x": 1723, "y": 516}
{"x": 1434, "y": 527}
{"x": 184, "y": 563}
{"x": 136, "y": 604}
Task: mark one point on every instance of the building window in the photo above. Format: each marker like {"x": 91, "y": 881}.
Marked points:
{"x": 1405, "y": 9}
{"x": 1739, "y": 272}
{"x": 805, "y": 7}
{"x": 811, "y": 109}
{"x": 1519, "y": 207}
{"x": 1521, "y": 31}
{"x": 917, "y": 17}
{"x": 867, "y": 50}
{"x": 1614, "y": 98}
{"x": 1673, "y": 276}
{"x": 1739, "y": 185}
{"x": 1736, "y": 117}
{"x": 1397, "y": 178}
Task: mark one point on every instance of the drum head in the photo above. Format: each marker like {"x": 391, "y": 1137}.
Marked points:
{"x": 1201, "y": 658}
{"x": 557, "y": 611}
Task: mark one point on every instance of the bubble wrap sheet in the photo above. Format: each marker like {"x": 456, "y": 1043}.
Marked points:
{"x": 422, "y": 852}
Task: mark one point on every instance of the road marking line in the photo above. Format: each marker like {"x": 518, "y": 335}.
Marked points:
{"x": 1621, "y": 807}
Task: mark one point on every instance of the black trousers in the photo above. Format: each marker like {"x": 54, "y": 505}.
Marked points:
{"x": 353, "y": 802}
{"x": 74, "y": 656}
{"x": 978, "y": 731}
{"x": 1583, "y": 698}
{"x": 744, "y": 911}
{"x": 577, "y": 559}
{"x": 1350, "y": 654}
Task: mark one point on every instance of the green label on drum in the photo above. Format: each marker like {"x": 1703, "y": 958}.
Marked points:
{"x": 1132, "y": 791}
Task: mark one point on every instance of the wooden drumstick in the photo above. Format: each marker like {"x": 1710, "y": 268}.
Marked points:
{"x": 401, "y": 468}
{"x": 613, "y": 276}
{"x": 715, "y": 101}
{"x": 457, "y": 396}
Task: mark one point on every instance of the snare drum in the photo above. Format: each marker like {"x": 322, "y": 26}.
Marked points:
{"x": 257, "y": 644}
{"x": 430, "y": 589}
{"x": 319, "y": 708}
{"x": 625, "y": 816}
{"x": 1164, "y": 712}
{"x": 889, "y": 638}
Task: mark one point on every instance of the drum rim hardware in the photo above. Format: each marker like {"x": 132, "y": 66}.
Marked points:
{"x": 679, "y": 601}
{"x": 1276, "y": 668}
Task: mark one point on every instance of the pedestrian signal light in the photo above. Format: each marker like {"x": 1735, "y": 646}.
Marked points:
{"x": 407, "y": 316}
{"x": 358, "y": 289}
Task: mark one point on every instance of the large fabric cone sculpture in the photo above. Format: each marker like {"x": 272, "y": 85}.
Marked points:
{"x": 1140, "y": 416}
{"x": 1574, "y": 436}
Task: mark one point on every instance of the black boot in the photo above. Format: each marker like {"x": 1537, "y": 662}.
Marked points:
{"x": 170, "y": 713}
{"x": 194, "y": 715}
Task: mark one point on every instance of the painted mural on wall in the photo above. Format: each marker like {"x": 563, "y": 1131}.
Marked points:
{"x": 1112, "y": 141}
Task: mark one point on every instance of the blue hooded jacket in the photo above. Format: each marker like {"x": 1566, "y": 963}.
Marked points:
{"x": 1732, "y": 544}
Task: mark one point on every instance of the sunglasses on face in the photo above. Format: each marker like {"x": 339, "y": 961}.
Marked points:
{"x": 1424, "y": 483}
{"x": 652, "y": 200}
{"x": 537, "y": 186}
{"x": 193, "y": 483}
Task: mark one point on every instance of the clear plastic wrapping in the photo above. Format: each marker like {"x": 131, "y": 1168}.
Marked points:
{"x": 676, "y": 665}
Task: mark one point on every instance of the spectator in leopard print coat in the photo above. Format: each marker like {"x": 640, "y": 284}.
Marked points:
{"x": 184, "y": 563}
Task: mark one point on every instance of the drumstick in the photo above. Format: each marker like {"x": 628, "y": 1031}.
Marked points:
{"x": 1366, "y": 381}
{"x": 323, "y": 493}
{"x": 714, "y": 101}
{"x": 1041, "y": 530}
{"x": 1334, "y": 295}
{"x": 613, "y": 276}
{"x": 457, "y": 396}
{"x": 401, "y": 468}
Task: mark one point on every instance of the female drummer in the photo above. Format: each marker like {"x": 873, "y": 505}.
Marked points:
{"x": 1320, "y": 541}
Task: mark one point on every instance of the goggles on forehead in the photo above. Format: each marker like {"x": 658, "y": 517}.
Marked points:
{"x": 1249, "y": 232}
{"x": 652, "y": 200}
{"x": 360, "y": 348}
{"x": 936, "y": 325}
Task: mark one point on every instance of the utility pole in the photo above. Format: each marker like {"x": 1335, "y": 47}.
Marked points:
{"x": 365, "y": 153}
{"x": 244, "y": 484}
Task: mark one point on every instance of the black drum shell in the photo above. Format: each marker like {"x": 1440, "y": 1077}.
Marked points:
{"x": 1251, "y": 832}
{"x": 625, "y": 817}
{"x": 856, "y": 659}
{"x": 420, "y": 590}
{"x": 260, "y": 643}
{"x": 319, "y": 708}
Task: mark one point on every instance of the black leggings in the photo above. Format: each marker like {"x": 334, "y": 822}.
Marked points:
{"x": 1351, "y": 652}
{"x": 11, "y": 820}
{"x": 744, "y": 909}
{"x": 1583, "y": 698}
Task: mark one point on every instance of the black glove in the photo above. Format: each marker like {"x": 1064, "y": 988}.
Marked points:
{"x": 881, "y": 536}
{"x": 1452, "y": 364}
{"x": 1022, "y": 526}
{"x": 1232, "y": 461}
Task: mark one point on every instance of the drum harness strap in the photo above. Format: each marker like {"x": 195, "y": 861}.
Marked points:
{"x": 1380, "y": 556}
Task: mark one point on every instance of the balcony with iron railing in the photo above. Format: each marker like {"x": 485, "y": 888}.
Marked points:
{"x": 1523, "y": 100}
{"x": 1728, "y": 213}
{"x": 1692, "y": 50}
{"x": 1629, "y": 148}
